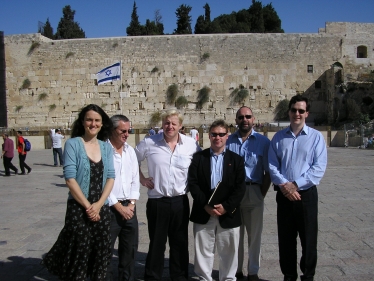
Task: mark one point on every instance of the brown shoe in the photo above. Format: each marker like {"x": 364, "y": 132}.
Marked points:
{"x": 253, "y": 277}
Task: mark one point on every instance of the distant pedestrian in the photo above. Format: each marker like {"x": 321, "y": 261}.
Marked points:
{"x": 22, "y": 154}
{"x": 151, "y": 132}
{"x": 57, "y": 146}
{"x": 7, "y": 155}
{"x": 194, "y": 134}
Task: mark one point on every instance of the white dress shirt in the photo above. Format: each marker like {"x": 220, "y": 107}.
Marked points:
{"x": 168, "y": 169}
{"x": 126, "y": 184}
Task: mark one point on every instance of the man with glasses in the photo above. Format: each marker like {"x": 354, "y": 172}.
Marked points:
{"x": 216, "y": 182}
{"x": 253, "y": 147}
{"x": 168, "y": 157}
{"x": 297, "y": 163}
{"x": 122, "y": 199}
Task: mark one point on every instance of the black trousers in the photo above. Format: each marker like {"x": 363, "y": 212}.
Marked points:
{"x": 167, "y": 219}
{"x": 22, "y": 164}
{"x": 7, "y": 161}
{"x": 298, "y": 218}
{"x": 127, "y": 232}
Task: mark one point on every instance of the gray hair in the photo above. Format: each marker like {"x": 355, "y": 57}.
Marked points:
{"x": 117, "y": 118}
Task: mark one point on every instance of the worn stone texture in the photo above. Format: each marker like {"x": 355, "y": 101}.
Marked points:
{"x": 271, "y": 67}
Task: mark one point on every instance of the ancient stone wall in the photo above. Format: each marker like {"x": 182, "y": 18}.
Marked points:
{"x": 270, "y": 66}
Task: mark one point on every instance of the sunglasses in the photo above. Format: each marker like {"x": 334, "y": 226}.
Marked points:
{"x": 294, "y": 110}
{"x": 122, "y": 131}
{"x": 241, "y": 117}
{"x": 221, "y": 135}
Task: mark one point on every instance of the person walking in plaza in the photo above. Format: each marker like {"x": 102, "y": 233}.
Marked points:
{"x": 122, "y": 199}
{"x": 194, "y": 134}
{"x": 297, "y": 163}
{"x": 151, "y": 132}
{"x": 216, "y": 180}
{"x": 168, "y": 158}
{"x": 253, "y": 147}
{"x": 7, "y": 155}
{"x": 22, "y": 154}
{"x": 57, "y": 138}
{"x": 82, "y": 249}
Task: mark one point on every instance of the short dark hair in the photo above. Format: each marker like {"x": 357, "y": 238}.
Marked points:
{"x": 19, "y": 132}
{"x": 78, "y": 129}
{"x": 116, "y": 118}
{"x": 219, "y": 123}
{"x": 299, "y": 98}
{"x": 57, "y": 130}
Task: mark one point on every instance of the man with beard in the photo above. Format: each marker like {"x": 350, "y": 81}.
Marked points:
{"x": 253, "y": 147}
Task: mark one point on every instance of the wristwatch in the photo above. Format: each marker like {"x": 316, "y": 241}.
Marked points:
{"x": 132, "y": 202}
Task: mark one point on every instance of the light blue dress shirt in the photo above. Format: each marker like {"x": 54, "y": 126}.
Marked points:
{"x": 301, "y": 158}
{"x": 254, "y": 150}
{"x": 216, "y": 168}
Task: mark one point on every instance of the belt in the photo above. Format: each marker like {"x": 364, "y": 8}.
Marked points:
{"x": 251, "y": 183}
{"x": 277, "y": 188}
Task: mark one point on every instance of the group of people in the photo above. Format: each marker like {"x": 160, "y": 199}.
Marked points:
{"x": 227, "y": 181}
{"x": 8, "y": 154}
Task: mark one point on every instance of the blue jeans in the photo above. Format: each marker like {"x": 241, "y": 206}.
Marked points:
{"x": 59, "y": 152}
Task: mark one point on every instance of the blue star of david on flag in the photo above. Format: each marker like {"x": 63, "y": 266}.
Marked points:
{"x": 109, "y": 74}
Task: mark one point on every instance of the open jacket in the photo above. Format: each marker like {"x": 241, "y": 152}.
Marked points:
{"x": 199, "y": 184}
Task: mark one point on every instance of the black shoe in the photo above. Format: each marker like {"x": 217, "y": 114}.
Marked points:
{"x": 239, "y": 275}
{"x": 22, "y": 174}
{"x": 16, "y": 172}
{"x": 29, "y": 171}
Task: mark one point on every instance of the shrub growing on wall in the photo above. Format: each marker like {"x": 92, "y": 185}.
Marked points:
{"x": 26, "y": 84}
{"x": 181, "y": 102}
{"x": 239, "y": 95}
{"x": 203, "y": 97}
{"x": 42, "y": 96}
{"x": 171, "y": 93}
{"x": 155, "y": 117}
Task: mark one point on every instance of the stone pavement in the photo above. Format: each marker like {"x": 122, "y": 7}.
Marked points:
{"x": 32, "y": 209}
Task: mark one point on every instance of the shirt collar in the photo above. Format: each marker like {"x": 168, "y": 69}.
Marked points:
{"x": 304, "y": 130}
{"x": 123, "y": 148}
{"x": 252, "y": 134}
{"x": 222, "y": 153}
{"x": 160, "y": 137}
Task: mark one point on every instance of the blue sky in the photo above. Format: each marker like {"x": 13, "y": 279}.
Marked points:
{"x": 110, "y": 18}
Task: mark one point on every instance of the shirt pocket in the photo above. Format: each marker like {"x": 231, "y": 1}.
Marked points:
{"x": 181, "y": 161}
{"x": 251, "y": 159}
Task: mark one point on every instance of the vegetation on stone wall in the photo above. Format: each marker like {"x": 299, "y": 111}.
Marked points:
{"x": 205, "y": 56}
{"x": 181, "y": 102}
{"x": 155, "y": 69}
{"x": 239, "y": 95}
{"x": 203, "y": 97}
{"x": 18, "y": 108}
{"x": 281, "y": 110}
{"x": 155, "y": 117}
{"x": 33, "y": 46}
{"x": 52, "y": 107}
{"x": 42, "y": 96}
{"x": 26, "y": 84}
{"x": 171, "y": 93}
{"x": 70, "y": 54}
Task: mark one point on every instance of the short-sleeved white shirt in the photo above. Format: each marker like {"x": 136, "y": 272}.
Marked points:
{"x": 168, "y": 169}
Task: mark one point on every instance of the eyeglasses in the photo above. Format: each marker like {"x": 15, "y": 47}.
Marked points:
{"x": 221, "y": 135}
{"x": 294, "y": 110}
{"x": 241, "y": 117}
{"x": 122, "y": 131}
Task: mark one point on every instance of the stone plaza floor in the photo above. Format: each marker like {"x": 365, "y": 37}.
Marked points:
{"x": 32, "y": 209}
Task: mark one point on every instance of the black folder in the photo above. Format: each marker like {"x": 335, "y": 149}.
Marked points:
{"x": 219, "y": 195}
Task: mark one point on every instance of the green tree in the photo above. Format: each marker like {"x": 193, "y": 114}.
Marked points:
{"x": 135, "y": 28}
{"x": 256, "y": 17}
{"x": 272, "y": 22}
{"x": 183, "y": 20}
{"x": 224, "y": 23}
{"x": 47, "y": 30}
{"x": 202, "y": 25}
{"x": 67, "y": 28}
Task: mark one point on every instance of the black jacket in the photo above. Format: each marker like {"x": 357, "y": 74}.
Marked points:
{"x": 233, "y": 179}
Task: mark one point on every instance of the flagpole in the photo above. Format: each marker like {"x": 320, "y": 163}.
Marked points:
{"x": 120, "y": 67}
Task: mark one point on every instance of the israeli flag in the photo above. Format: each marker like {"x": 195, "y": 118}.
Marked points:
{"x": 109, "y": 74}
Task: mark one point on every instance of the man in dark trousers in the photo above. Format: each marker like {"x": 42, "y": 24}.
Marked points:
{"x": 220, "y": 171}
{"x": 22, "y": 154}
{"x": 297, "y": 163}
{"x": 7, "y": 155}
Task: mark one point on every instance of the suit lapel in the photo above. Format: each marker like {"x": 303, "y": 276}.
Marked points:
{"x": 226, "y": 164}
{"x": 206, "y": 166}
